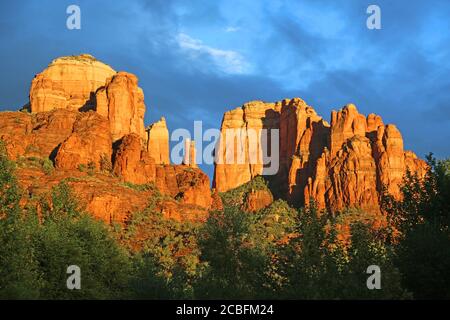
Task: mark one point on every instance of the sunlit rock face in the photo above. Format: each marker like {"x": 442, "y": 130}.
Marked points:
{"x": 89, "y": 143}
{"x": 122, "y": 102}
{"x": 302, "y": 134}
{"x": 343, "y": 164}
{"x": 88, "y": 119}
{"x": 82, "y": 83}
{"x": 69, "y": 83}
{"x": 158, "y": 141}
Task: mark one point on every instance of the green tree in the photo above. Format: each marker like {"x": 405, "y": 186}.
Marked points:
{"x": 422, "y": 217}
{"x": 325, "y": 267}
{"x": 147, "y": 283}
{"x": 68, "y": 236}
{"x": 19, "y": 270}
{"x": 169, "y": 250}
{"x": 35, "y": 254}
{"x": 236, "y": 270}
{"x": 244, "y": 252}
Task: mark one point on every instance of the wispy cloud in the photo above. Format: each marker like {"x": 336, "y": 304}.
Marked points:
{"x": 232, "y": 29}
{"x": 227, "y": 61}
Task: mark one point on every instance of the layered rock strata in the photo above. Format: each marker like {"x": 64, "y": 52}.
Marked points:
{"x": 88, "y": 120}
{"x": 347, "y": 163}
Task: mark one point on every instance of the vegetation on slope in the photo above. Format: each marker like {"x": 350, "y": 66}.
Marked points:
{"x": 277, "y": 252}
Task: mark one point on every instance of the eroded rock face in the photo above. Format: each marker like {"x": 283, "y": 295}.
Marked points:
{"x": 69, "y": 83}
{"x": 302, "y": 134}
{"x": 89, "y": 144}
{"x": 36, "y": 135}
{"x": 158, "y": 141}
{"x": 228, "y": 176}
{"x": 345, "y": 124}
{"x": 193, "y": 186}
{"x": 104, "y": 196}
{"x": 187, "y": 184}
{"x": 89, "y": 120}
{"x": 388, "y": 151}
{"x": 82, "y": 83}
{"x": 301, "y": 138}
{"x": 257, "y": 199}
{"x": 83, "y": 138}
{"x": 353, "y": 177}
{"x": 122, "y": 102}
{"x": 345, "y": 164}
{"x": 132, "y": 163}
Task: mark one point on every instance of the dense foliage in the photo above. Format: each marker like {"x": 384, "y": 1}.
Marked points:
{"x": 278, "y": 252}
{"x": 422, "y": 218}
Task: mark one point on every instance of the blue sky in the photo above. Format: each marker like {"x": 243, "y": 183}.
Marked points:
{"x": 197, "y": 59}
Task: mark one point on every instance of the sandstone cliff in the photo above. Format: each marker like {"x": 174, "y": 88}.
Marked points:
{"x": 69, "y": 83}
{"x": 158, "y": 141}
{"x": 343, "y": 164}
{"x": 82, "y": 83}
{"x": 122, "y": 102}
{"x": 87, "y": 120}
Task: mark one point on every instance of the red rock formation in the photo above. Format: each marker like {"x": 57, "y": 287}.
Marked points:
{"x": 342, "y": 165}
{"x": 15, "y": 129}
{"x": 69, "y": 83}
{"x": 158, "y": 141}
{"x": 353, "y": 177}
{"x": 89, "y": 144}
{"x": 414, "y": 164}
{"x": 104, "y": 196}
{"x": 36, "y": 135}
{"x": 388, "y": 151}
{"x": 193, "y": 186}
{"x": 81, "y": 83}
{"x": 256, "y": 200}
{"x": 101, "y": 195}
{"x": 302, "y": 136}
{"x": 84, "y": 113}
{"x": 132, "y": 163}
{"x": 232, "y": 170}
{"x": 216, "y": 203}
{"x": 318, "y": 182}
{"x": 345, "y": 124}
{"x": 190, "y": 153}
{"x": 88, "y": 140}
{"x": 122, "y": 102}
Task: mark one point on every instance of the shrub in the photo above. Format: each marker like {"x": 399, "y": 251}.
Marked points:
{"x": 47, "y": 166}
{"x": 31, "y": 148}
{"x": 105, "y": 163}
{"x": 91, "y": 167}
{"x": 236, "y": 196}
